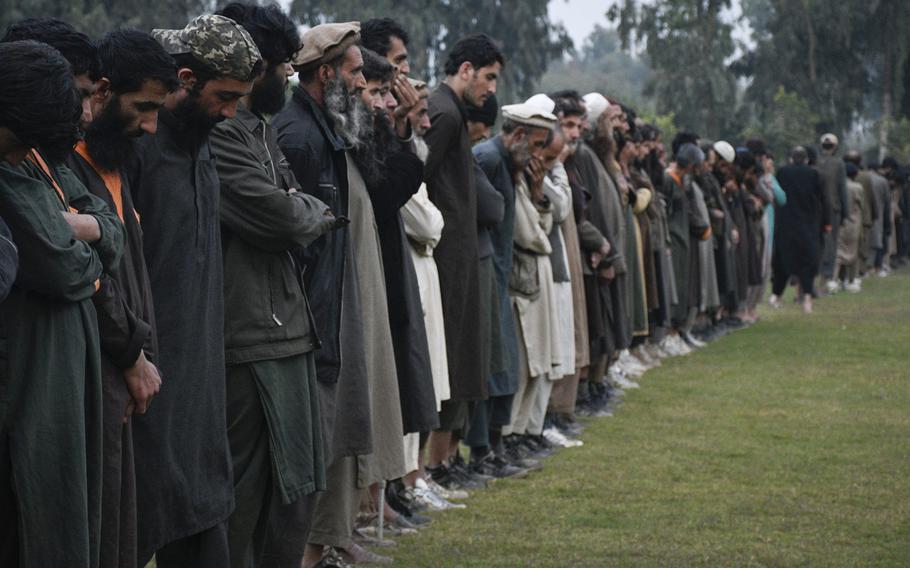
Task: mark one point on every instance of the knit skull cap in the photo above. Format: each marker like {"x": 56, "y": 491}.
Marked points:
{"x": 529, "y": 115}
{"x": 596, "y": 104}
{"x": 217, "y": 41}
{"x": 543, "y": 102}
{"x": 325, "y": 42}
{"x": 725, "y": 150}
{"x": 688, "y": 155}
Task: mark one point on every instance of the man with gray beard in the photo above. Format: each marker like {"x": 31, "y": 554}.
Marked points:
{"x": 316, "y": 128}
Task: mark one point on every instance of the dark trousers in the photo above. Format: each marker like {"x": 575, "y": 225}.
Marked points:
{"x": 781, "y": 276}
{"x": 490, "y": 414}
{"x": 206, "y": 549}
{"x": 261, "y": 530}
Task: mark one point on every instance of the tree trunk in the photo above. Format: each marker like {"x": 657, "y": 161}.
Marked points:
{"x": 810, "y": 35}
{"x": 887, "y": 103}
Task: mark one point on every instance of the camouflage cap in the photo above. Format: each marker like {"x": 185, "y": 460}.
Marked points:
{"x": 324, "y": 43}
{"x": 217, "y": 41}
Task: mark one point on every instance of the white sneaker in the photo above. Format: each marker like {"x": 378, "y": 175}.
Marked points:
{"x": 630, "y": 364}
{"x": 557, "y": 438}
{"x": 441, "y": 491}
{"x": 681, "y": 346}
{"x": 854, "y": 286}
{"x": 832, "y": 287}
{"x": 883, "y": 273}
{"x": 694, "y": 341}
{"x": 624, "y": 383}
{"x": 774, "y": 302}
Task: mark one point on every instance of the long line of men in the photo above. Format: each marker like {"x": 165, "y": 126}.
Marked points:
{"x": 245, "y": 330}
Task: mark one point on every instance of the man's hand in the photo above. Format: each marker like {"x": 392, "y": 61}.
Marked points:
{"x": 536, "y": 174}
{"x": 607, "y": 274}
{"x": 599, "y": 255}
{"x": 143, "y": 382}
{"x": 406, "y": 95}
{"x": 734, "y": 236}
{"x": 85, "y": 227}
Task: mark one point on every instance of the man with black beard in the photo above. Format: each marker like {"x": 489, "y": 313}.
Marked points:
{"x": 137, "y": 75}
{"x": 183, "y": 465}
{"x": 320, "y": 122}
{"x": 270, "y": 339}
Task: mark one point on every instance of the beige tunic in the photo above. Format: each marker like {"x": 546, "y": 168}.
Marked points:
{"x": 423, "y": 224}
{"x": 387, "y": 459}
{"x": 849, "y": 235}
{"x": 538, "y": 318}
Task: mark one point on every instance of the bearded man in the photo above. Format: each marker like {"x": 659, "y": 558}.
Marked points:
{"x": 316, "y": 128}
{"x": 177, "y": 196}
{"x": 136, "y": 76}
{"x": 502, "y": 160}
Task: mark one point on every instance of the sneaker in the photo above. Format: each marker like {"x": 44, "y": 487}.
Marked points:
{"x": 555, "y": 437}
{"x": 450, "y": 479}
{"x": 442, "y": 492}
{"x": 854, "y": 286}
{"x": 692, "y": 341}
{"x": 331, "y": 559}
{"x": 460, "y": 467}
{"x": 831, "y": 287}
{"x": 624, "y": 383}
{"x": 774, "y": 302}
{"x": 494, "y": 466}
{"x": 430, "y": 500}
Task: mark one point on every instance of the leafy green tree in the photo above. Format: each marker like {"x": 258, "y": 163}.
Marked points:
{"x": 687, "y": 43}
{"x": 790, "y": 122}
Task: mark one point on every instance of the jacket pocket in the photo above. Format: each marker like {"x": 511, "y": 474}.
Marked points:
{"x": 524, "y": 280}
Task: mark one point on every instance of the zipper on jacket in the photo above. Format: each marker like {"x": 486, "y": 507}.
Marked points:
{"x": 272, "y": 163}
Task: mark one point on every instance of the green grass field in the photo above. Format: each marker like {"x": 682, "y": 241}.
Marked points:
{"x": 785, "y": 444}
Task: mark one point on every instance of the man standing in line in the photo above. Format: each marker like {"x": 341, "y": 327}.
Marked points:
{"x": 315, "y": 129}
{"x": 798, "y": 228}
{"x": 183, "y": 463}
{"x": 834, "y": 179}
{"x": 50, "y": 406}
{"x": 472, "y": 70}
{"x": 136, "y": 76}
{"x": 270, "y": 340}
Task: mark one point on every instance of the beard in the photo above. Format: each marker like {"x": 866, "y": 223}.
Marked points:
{"x": 268, "y": 97}
{"x": 107, "y": 138}
{"x": 521, "y": 155}
{"x": 350, "y": 117}
{"x": 193, "y": 123}
{"x": 371, "y": 153}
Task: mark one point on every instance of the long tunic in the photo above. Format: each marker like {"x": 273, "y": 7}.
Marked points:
{"x": 50, "y": 368}
{"x": 449, "y": 176}
{"x": 493, "y": 159}
{"x": 387, "y": 459}
{"x": 126, "y": 321}
{"x": 678, "y": 224}
{"x": 537, "y": 317}
{"x": 799, "y": 222}
{"x": 423, "y": 224}
{"x": 317, "y": 157}
{"x": 849, "y": 236}
{"x": 183, "y": 436}
{"x": 404, "y": 172}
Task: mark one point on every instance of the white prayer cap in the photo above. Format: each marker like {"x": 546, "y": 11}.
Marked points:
{"x": 725, "y": 150}
{"x": 596, "y": 105}
{"x": 542, "y": 101}
{"x": 529, "y": 115}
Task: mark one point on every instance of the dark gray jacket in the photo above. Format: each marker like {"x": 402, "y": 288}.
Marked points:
{"x": 266, "y": 311}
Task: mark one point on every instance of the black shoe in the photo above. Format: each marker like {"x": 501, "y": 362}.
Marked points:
{"x": 394, "y": 496}
{"x": 458, "y": 463}
{"x": 536, "y": 449}
{"x": 450, "y": 479}
{"x": 494, "y": 466}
